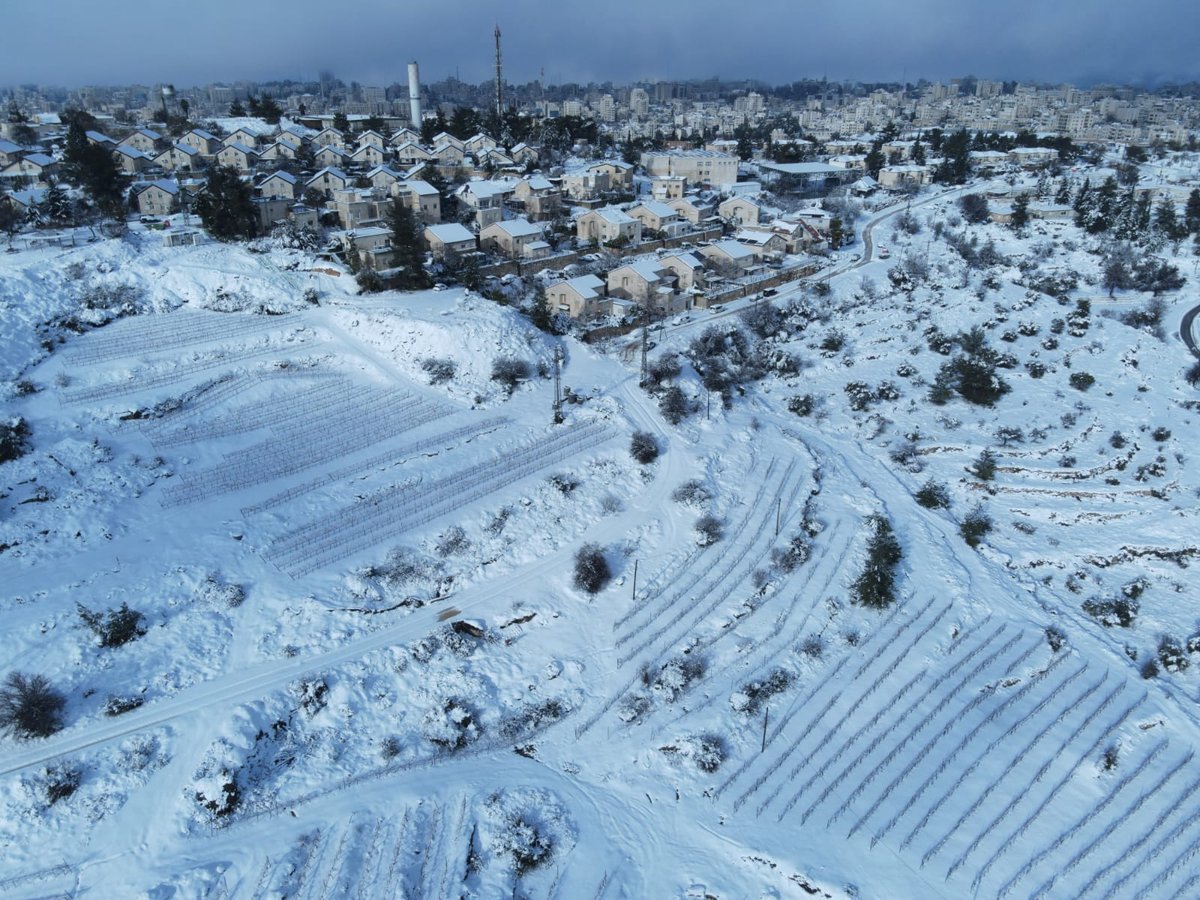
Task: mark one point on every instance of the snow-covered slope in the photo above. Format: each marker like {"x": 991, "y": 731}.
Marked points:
{"x": 366, "y": 670}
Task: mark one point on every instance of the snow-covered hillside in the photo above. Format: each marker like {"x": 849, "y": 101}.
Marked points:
{"x": 363, "y": 667}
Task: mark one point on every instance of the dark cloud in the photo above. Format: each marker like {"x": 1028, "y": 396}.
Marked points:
{"x": 71, "y": 42}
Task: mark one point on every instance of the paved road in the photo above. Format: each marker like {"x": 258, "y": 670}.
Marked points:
{"x": 1187, "y": 332}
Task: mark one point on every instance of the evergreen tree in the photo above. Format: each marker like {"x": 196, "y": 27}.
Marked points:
{"x": 1166, "y": 222}
{"x": 539, "y": 310}
{"x": 340, "y": 122}
{"x": 56, "y": 206}
{"x": 1063, "y": 196}
{"x": 1191, "y": 213}
{"x": 236, "y": 110}
{"x": 918, "y": 153}
{"x": 269, "y": 110}
{"x": 95, "y": 170}
{"x": 407, "y": 250}
{"x": 875, "y": 160}
{"x": 1083, "y": 204}
{"x": 1020, "y": 212}
{"x": 10, "y": 218}
{"x": 226, "y": 207}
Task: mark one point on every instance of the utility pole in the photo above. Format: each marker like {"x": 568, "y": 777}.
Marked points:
{"x": 778, "y": 513}
{"x": 766, "y": 716}
{"x": 645, "y": 351}
{"x": 499, "y": 79}
{"x": 558, "y": 416}
{"x": 633, "y": 596}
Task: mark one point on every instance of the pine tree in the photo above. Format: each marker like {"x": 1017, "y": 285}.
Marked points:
{"x": 1063, "y": 196}
{"x": 226, "y": 207}
{"x": 95, "y": 170}
{"x": 236, "y": 110}
{"x": 875, "y": 161}
{"x": 56, "y": 206}
{"x": 1166, "y": 222}
{"x": 1191, "y": 214}
{"x": 10, "y": 219}
{"x": 340, "y": 122}
{"x": 407, "y": 251}
{"x": 1020, "y": 212}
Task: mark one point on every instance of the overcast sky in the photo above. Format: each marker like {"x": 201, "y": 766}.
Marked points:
{"x": 189, "y": 42}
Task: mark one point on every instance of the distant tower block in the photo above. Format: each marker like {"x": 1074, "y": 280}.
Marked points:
{"x": 414, "y": 95}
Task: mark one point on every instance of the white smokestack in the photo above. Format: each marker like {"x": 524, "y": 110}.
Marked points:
{"x": 414, "y": 95}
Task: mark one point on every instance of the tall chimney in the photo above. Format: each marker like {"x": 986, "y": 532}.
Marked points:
{"x": 414, "y": 95}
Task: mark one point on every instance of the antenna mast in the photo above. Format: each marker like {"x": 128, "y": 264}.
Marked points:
{"x": 645, "y": 349}
{"x": 499, "y": 78}
{"x": 558, "y": 356}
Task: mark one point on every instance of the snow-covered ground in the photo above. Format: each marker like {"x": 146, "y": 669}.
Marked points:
{"x": 365, "y": 668}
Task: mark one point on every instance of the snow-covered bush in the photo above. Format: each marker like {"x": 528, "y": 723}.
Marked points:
{"x": 933, "y": 495}
{"x": 14, "y": 440}
{"x": 708, "y": 530}
{"x": 439, "y": 370}
{"x": 510, "y": 371}
{"x": 752, "y": 695}
{"x": 591, "y": 569}
{"x": 975, "y": 527}
{"x": 452, "y": 724}
{"x": 692, "y": 493}
{"x": 114, "y": 627}
{"x": 643, "y": 447}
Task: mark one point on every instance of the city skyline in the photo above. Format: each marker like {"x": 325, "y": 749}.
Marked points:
{"x": 932, "y": 39}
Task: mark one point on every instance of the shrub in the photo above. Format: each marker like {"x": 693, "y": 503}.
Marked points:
{"x": 643, "y": 447}
{"x": 439, "y": 370}
{"x": 452, "y": 725}
{"x": 453, "y": 540}
{"x": 834, "y": 341}
{"x": 1081, "y": 381}
{"x": 674, "y": 405}
{"x": 1117, "y": 440}
{"x": 591, "y": 569}
{"x": 1035, "y": 369}
{"x": 1161, "y": 434}
{"x": 116, "y": 627}
{"x": 664, "y": 368}
{"x": 875, "y": 587}
{"x": 1149, "y": 669}
{"x": 1192, "y": 375}
{"x": 763, "y": 319}
{"x": 117, "y": 706}
{"x": 813, "y": 646}
{"x": 692, "y": 493}
{"x": 510, "y": 372}
{"x": 751, "y": 696}
{"x": 1171, "y": 654}
{"x": 1119, "y": 611}
{"x": 708, "y": 752}
{"x": 62, "y": 780}
{"x": 933, "y": 495}
{"x": 14, "y": 440}
{"x": 1110, "y": 758}
{"x": 390, "y": 748}
{"x": 1055, "y": 637}
{"x": 984, "y": 468}
{"x": 794, "y": 554}
{"x": 30, "y": 706}
{"x": 1009, "y": 434}
{"x": 708, "y": 531}
{"x": 975, "y": 526}
{"x": 801, "y": 405}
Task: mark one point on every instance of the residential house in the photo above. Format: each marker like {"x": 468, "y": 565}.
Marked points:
{"x": 1032, "y": 157}
{"x": 358, "y": 207}
{"x": 238, "y": 156}
{"x": 740, "y": 211}
{"x": 373, "y": 243}
{"x": 142, "y": 139}
{"x": 158, "y": 198}
{"x": 36, "y": 169}
{"x": 478, "y": 143}
{"x": 584, "y": 183}
{"x": 179, "y": 157}
{"x": 900, "y": 175}
{"x": 131, "y": 160}
{"x": 328, "y": 180}
{"x": 26, "y": 201}
{"x": 374, "y": 138}
{"x": 384, "y": 177}
{"x": 278, "y": 150}
{"x": 329, "y": 137}
{"x": 201, "y": 140}
{"x": 410, "y": 153}
{"x": 9, "y": 152}
{"x": 449, "y": 154}
{"x": 688, "y": 270}
{"x": 619, "y": 172}
{"x": 538, "y": 197}
{"x": 448, "y": 240}
{"x": 692, "y": 209}
{"x": 986, "y": 160}
{"x": 522, "y": 154}
{"x": 279, "y": 184}
{"x": 422, "y": 198}
{"x": 764, "y": 244}
{"x": 514, "y": 238}
{"x": 580, "y": 298}
{"x": 442, "y": 138}
{"x": 366, "y": 155}
{"x": 608, "y": 225}
{"x": 404, "y": 136}
{"x": 242, "y": 136}
{"x": 658, "y": 216}
{"x": 646, "y": 283}
{"x": 486, "y": 198}
{"x": 331, "y": 155}
{"x": 667, "y": 187}
{"x": 96, "y": 137}
{"x": 728, "y": 257}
